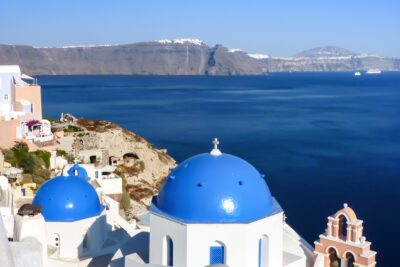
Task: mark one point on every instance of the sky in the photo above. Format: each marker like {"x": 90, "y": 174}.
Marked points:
{"x": 276, "y": 27}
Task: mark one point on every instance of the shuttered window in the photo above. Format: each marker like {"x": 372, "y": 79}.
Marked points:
{"x": 217, "y": 255}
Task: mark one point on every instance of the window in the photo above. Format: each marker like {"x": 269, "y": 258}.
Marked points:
{"x": 168, "y": 251}
{"x": 334, "y": 260}
{"x": 263, "y": 251}
{"x": 56, "y": 240}
{"x": 343, "y": 227}
{"x": 6, "y": 97}
{"x": 85, "y": 242}
{"x": 217, "y": 253}
{"x": 92, "y": 159}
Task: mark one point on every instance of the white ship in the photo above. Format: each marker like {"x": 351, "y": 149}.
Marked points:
{"x": 357, "y": 73}
{"x": 374, "y": 71}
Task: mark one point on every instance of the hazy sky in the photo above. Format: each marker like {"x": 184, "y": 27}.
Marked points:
{"x": 277, "y": 27}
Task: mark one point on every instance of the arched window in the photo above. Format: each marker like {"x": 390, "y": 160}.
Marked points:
{"x": 168, "y": 251}
{"x": 334, "y": 260}
{"x": 263, "y": 251}
{"x": 217, "y": 253}
{"x": 55, "y": 241}
{"x": 85, "y": 242}
{"x": 343, "y": 227}
{"x": 350, "y": 259}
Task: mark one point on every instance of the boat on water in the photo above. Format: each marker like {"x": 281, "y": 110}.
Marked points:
{"x": 374, "y": 71}
{"x": 357, "y": 73}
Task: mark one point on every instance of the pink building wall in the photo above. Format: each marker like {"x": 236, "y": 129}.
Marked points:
{"x": 8, "y": 131}
{"x": 31, "y": 93}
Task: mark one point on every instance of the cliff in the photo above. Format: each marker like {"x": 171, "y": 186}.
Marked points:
{"x": 181, "y": 57}
{"x": 142, "y": 166}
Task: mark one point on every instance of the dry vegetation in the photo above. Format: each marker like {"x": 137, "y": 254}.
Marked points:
{"x": 95, "y": 125}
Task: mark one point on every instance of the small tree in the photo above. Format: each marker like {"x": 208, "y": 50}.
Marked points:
{"x": 29, "y": 163}
{"x": 125, "y": 202}
{"x": 45, "y": 156}
{"x": 19, "y": 152}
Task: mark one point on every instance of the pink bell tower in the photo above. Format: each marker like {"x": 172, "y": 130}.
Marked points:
{"x": 343, "y": 243}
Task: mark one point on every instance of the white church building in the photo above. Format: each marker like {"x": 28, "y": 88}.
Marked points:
{"x": 214, "y": 209}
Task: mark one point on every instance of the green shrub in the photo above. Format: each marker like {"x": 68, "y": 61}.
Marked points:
{"x": 72, "y": 129}
{"x": 9, "y": 156}
{"x": 125, "y": 202}
{"x": 35, "y": 164}
{"x": 29, "y": 163}
{"x": 19, "y": 152}
{"x": 45, "y": 156}
{"x": 62, "y": 153}
{"x": 70, "y": 158}
{"x": 42, "y": 173}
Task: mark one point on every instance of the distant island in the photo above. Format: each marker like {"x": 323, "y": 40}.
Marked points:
{"x": 183, "y": 57}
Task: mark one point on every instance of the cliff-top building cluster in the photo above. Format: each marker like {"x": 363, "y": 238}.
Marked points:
{"x": 213, "y": 209}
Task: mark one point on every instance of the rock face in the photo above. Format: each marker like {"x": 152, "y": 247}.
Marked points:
{"x": 142, "y": 166}
{"x": 181, "y": 57}
{"x": 331, "y": 58}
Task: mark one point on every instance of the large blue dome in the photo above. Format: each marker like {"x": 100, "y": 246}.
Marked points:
{"x": 65, "y": 199}
{"x": 211, "y": 188}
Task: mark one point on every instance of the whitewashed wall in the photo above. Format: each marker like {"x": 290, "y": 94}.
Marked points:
{"x": 71, "y": 236}
{"x": 192, "y": 242}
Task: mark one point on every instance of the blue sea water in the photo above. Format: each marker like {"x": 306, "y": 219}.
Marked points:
{"x": 321, "y": 139}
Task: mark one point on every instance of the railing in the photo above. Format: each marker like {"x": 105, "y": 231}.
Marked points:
{"x": 44, "y": 142}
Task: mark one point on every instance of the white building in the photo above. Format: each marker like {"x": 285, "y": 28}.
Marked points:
{"x": 104, "y": 177}
{"x": 21, "y": 109}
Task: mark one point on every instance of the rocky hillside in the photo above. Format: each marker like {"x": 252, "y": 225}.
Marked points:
{"x": 142, "y": 166}
{"x": 181, "y": 57}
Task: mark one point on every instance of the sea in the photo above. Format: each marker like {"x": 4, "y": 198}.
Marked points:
{"x": 321, "y": 139}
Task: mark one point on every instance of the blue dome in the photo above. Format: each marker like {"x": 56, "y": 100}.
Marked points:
{"x": 78, "y": 171}
{"x": 65, "y": 199}
{"x": 215, "y": 189}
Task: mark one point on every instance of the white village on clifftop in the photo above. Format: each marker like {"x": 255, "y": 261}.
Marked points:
{"x": 77, "y": 192}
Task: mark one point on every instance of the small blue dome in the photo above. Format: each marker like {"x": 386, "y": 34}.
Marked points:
{"x": 78, "y": 171}
{"x": 215, "y": 189}
{"x": 66, "y": 199}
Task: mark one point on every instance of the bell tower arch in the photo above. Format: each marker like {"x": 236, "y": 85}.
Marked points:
{"x": 344, "y": 243}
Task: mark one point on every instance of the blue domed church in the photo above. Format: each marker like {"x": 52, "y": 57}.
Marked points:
{"x": 216, "y": 208}
{"x": 74, "y": 217}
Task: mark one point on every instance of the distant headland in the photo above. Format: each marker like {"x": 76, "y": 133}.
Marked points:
{"x": 183, "y": 57}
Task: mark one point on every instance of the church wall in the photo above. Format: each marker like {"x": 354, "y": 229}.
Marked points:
{"x": 32, "y": 227}
{"x": 160, "y": 228}
{"x": 241, "y": 241}
{"x": 272, "y": 227}
{"x": 232, "y": 236}
{"x": 72, "y": 234}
